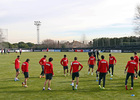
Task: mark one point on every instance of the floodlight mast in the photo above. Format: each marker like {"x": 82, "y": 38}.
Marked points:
{"x": 37, "y": 23}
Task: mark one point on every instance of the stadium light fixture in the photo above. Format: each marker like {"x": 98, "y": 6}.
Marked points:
{"x": 37, "y": 23}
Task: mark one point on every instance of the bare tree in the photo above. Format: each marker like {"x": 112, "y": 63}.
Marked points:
{"x": 50, "y": 43}
{"x": 137, "y": 20}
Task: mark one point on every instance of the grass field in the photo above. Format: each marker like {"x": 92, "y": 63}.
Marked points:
{"x": 61, "y": 88}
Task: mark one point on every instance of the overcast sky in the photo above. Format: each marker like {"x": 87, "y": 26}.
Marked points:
{"x": 67, "y": 19}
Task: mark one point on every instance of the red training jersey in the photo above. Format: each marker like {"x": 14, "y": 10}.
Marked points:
{"x": 48, "y": 68}
{"x": 64, "y": 62}
{"x": 92, "y": 60}
{"x": 24, "y": 67}
{"x": 103, "y": 66}
{"x": 112, "y": 59}
{"x": 132, "y": 66}
{"x": 42, "y": 61}
{"x": 75, "y": 66}
{"x": 17, "y": 63}
{"x": 136, "y": 59}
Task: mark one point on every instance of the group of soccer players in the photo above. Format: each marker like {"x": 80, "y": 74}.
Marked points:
{"x": 103, "y": 68}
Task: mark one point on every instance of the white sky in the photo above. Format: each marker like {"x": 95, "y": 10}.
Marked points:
{"x": 67, "y": 19}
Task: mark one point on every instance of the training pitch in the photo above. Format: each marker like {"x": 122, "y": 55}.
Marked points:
{"x": 61, "y": 88}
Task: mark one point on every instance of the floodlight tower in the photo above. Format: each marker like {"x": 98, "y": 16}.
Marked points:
{"x": 37, "y": 23}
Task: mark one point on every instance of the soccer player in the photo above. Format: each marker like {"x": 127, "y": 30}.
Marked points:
{"x": 75, "y": 72}
{"x": 89, "y": 53}
{"x": 25, "y": 71}
{"x": 102, "y": 68}
{"x": 91, "y": 63}
{"x": 64, "y": 63}
{"x": 96, "y": 70}
{"x": 136, "y": 59}
{"x": 42, "y": 62}
{"x": 131, "y": 66}
{"x": 98, "y": 54}
{"x": 112, "y": 59}
{"x": 20, "y": 51}
{"x": 17, "y": 64}
{"x": 48, "y": 70}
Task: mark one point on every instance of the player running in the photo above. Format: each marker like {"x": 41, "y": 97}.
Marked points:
{"x": 75, "y": 72}
{"x": 64, "y": 63}
{"x": 42, "y": 62}
{"x": 17, "y": 64}
{"x": 131, "y": 66}
{"x": 102, "y": 68}
{"x": 91, "y": 63}
{"x": 48, "y": 70}
{"x": 112, "y": 59}
{"x": 136, "y": 59}
{"x": 25, "y": 71}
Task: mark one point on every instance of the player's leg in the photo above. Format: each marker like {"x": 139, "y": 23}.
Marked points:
{"x": 89, "y": 70}
{"x": 64, "y": 71}
{"x": 109, "y": 69}
{"x": 112, "y": 69}
{"x": 45, "y": 84}
{"x": 132, "y": 78}
{"x": 77, "y": 80}
{"x": 104, "y": 76}
{"x": 100, "y": 77}
{"x": 25, "y": 81}
{"x": 92, "y": 69}
{"x": 73, "y": 77}
{"x": 45, "y": 81}
{"x": 17, "y": 73}
{"x": 41, "y": 71}
{"x": 49, "y": 84}
{"x": 67, "y": 70}
{"x": 127, "y": 77}
{"x": 96, "y": 75}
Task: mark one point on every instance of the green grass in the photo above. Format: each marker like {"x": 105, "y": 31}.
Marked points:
{"x": 61, "y": 88}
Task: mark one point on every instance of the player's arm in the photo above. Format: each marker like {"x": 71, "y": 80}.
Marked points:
{"x": 71, "y": 69}
{"x": 88, "y": 61}
{"x": 99, "y": 66}
{"x": 22, "y": 68}
{"x": 61, "y": 62}
{"x": 127, "y": 66}
{"x": 44, "y": 69}
{"x": 107, "y": 66}
{"x": 67, "y": 61}
{"x": 95, "y": 62}
{"x": 52, "y": 69}
{"x": 115, "y": 60}
{"x": 40, "y": 62}
{"x": 81, "y": 66}
{"x": 136, "y": 67}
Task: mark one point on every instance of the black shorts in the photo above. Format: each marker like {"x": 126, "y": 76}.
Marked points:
{"x": 65, "y": 67}
{"x": 26, "y": 74}
{"x": 17, "y": 70}
{"x": 111, "y": 65}
{"x": 91, "y": 66}
{"x": 76, "y": 74}
{"x": 49, "y": 76}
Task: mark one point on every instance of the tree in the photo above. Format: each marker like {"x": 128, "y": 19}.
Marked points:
{"x": 22, "y": 45}
{"x": 50, "y": 43}
{"x": 137, "y": 20}
{"x": 30, "y": 44}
